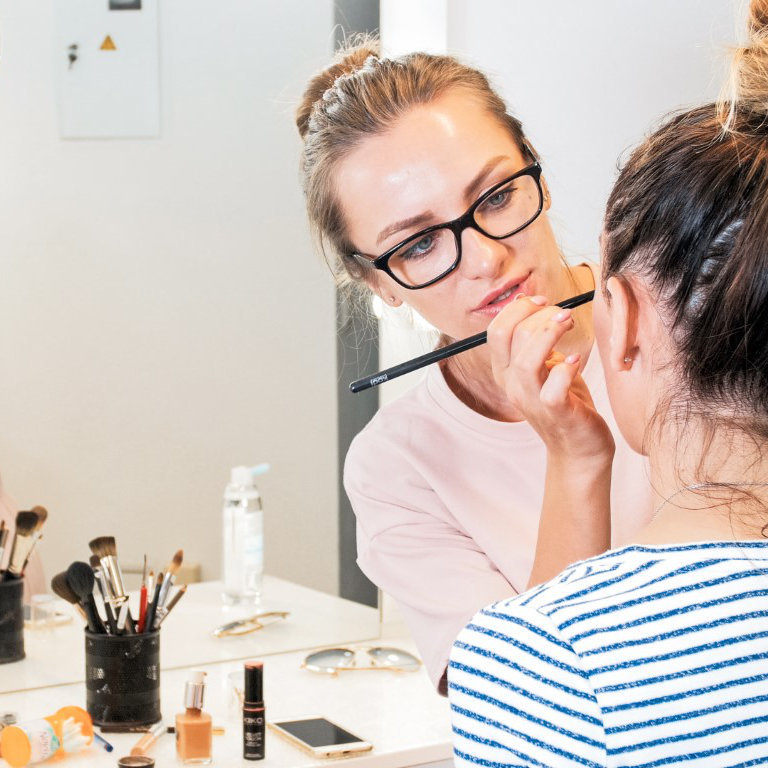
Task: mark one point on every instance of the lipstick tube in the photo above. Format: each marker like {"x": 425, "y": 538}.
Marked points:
{"x": 254, "y": 713}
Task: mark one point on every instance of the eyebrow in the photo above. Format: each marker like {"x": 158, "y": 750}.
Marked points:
{"x": 470, "y": 191}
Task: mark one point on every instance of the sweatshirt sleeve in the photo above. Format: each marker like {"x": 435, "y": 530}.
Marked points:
{"x": 519, "y": 695}
{"x": 409, "y": 547}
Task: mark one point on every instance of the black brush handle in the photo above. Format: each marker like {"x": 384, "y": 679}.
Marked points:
{"x": 448, "y": 351}
{"x": 152, "y": 608}
{"x": 95, "y": 624}
{"x": 111, "y": 620}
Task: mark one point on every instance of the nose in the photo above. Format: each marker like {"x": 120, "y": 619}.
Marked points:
{"x": 482, "y": 256}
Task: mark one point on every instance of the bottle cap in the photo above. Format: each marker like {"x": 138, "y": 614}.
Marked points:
{"x": 241, "y": 476}
{"x": 254, "y": 683}
{"x": 194, "y": 689}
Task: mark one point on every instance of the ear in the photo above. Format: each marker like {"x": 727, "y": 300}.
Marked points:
{"x": 622, "y": 307}
{"x": 385, "y": 294}
{"x": 547, "y": 198}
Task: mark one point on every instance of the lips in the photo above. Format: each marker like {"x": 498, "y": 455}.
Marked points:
{"x": 496, "y": 300}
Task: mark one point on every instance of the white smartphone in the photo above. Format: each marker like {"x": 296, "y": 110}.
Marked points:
{"x": 320, "y": 737}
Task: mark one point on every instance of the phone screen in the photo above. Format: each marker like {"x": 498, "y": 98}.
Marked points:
{"x": 318, "y": 732}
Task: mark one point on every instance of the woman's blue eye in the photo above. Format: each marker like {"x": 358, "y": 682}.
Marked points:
{"x": 499, "y": 198}
{"x": 420, "y": 248}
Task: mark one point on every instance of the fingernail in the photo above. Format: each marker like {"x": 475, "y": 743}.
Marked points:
{"x": 519, "y": 296}
{"x": 573, "y": 359}
{"x": 540, "y": 300}
{"x": 562, "y": 315}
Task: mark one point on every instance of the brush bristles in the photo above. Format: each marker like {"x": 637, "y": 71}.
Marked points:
{"x": 26, "y": 522}
{"x": 60, "y": 586}
{"x": 42, "y": 515}
{"x": 81, "y": 579}
{"x": 175, "y": 564}
{"x": 94, "y": 561}
{"x": 103, "y": 546}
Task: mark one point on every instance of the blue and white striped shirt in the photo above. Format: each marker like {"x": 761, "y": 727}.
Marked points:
{"x": 643, "y": 656}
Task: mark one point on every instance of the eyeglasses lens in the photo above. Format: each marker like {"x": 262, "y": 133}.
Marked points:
{"x": 506, "y": 210}
{"x": 394, "y": 657}
{"x": 329, "y": 660}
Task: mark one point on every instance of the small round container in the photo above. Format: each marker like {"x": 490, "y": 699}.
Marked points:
{"x": 11, "y": 620}
{"x": 136, "y": 761}
{"x": 122, "y": 678}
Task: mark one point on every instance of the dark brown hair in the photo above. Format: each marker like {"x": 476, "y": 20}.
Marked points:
{"x": 689, "y": 215}
{"x": 362, "y": 95}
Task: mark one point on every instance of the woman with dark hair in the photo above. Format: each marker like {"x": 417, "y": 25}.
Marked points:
{"x": 655, "y": 653}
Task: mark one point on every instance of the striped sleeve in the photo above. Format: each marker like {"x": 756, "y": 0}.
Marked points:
{"x": 519, "y": 696}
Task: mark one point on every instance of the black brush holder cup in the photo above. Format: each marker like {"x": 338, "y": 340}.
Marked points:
{"x": 11, "y": 620}
{"x": 122, "y": 678}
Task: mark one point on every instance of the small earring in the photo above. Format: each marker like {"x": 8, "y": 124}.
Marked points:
{"x": 627, "y": 359}
{"x": 391, "y": 299}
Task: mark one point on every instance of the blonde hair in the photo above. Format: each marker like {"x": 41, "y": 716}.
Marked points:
{"x": 361, "y": 95}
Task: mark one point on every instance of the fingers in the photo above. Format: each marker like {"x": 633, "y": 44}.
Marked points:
{"x": 556, "y": 389}
{"x": 524, "y": 334}
{"x": 502, "y": 327}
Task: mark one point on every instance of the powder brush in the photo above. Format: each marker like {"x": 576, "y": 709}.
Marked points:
{"x": 23, "y": 541}
{"x": 81, "y": 580}
{"x": 60, "y": 586}
{"x": 105, "y": 548}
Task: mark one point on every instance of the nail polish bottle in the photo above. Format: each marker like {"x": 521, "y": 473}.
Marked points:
{"x": 253, "y": 711}
{"x": 194, "y": 728}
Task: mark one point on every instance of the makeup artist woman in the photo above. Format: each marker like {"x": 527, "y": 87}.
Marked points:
{"x": 448, "y": 482}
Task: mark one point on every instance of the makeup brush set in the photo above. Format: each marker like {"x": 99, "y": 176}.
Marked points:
{"x": 82, "y": 582}
{"x": 28, "y": 532}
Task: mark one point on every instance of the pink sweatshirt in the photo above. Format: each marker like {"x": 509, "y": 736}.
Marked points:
{"x": 448, "y": 502}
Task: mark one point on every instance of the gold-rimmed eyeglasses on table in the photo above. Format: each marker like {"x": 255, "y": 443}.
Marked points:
{"x": 331, "y": 661}
{"x": 249, "y": 624}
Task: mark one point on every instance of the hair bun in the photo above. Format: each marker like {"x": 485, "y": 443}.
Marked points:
{"x": 748, "y": 87}
{"x": 351, "y": 57}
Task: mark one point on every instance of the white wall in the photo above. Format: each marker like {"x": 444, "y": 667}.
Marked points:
{"x": 162, "y": 313}
{"x": 587, "y": 78}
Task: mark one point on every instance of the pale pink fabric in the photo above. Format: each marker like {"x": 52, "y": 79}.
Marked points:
{"x": 33, "y": 575}
{"x": 448, "y": 502}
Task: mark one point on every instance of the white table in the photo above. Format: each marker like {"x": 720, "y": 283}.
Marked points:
{"x": 56, "y": 656}
{"x": 399, "y": 713}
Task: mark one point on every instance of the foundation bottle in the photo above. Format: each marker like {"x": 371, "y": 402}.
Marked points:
{"x": 194, "y": 730}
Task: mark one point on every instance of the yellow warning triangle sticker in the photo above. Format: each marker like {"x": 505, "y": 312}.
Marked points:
{"x": 108, "y": 44}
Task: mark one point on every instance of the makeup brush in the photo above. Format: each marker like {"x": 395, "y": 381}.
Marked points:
{"x": 152, "y": 608}
{"x": 170, "y": 576}
{"x": 171, "y": 603}
{"x": 60, "y": 586}
{"x": 105, "y": 548}
{"x": 448, "y": 351}
{"x": 105, "y": 596}
{"x": 143, "y": 598}
{"x": 42, "y": 516}
{"x": 23, "y": 541}
{"x": 81, "y": 580}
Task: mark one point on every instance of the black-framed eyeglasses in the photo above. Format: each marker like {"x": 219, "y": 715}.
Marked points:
{"x": 429, "y": 255}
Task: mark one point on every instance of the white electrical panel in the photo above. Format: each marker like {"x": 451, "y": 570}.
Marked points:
{"x": 107, "y": 67}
